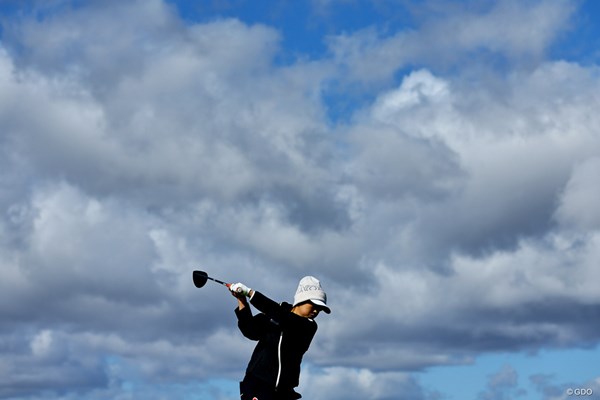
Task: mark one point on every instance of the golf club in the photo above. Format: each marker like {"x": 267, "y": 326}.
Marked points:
{"x": 200, "y": 278}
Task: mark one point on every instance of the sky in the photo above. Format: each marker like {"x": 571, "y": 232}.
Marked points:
{"x": 434, "y": 163}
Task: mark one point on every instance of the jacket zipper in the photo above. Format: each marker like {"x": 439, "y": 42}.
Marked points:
{"x": 279, "y": 358}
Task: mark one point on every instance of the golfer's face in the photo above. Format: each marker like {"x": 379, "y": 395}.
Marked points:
{"x": 314, "y": 311}
{"x": 308, "y": 310}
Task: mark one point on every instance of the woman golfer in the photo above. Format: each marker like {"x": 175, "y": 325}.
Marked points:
{"x": 284, "y": 332}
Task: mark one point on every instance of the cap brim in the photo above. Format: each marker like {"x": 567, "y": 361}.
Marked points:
{"x": 321, "y": 305}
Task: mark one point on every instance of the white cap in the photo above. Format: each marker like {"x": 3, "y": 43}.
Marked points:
{"x": 309, "y": 289}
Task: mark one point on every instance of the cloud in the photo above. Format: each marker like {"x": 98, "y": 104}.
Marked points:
{"x": 506, "y": 32}
{"x": 484, "y": 251}
{"x": 347, "y": 383}
{"x": 550, "y": 389}
{"x": 502, "y": 385}
{"x": 384, "y": 148}
{"x": 453, "y": 214}
{"x": 43, "y": 362}
{"x": 498, "y": 27}
{"x": 580, "y": 196}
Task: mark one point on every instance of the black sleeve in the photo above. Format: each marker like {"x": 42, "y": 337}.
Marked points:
{"x": 280, "y": 312}
{"x": 268, "y": 306}
{"x": 252, "y": 327}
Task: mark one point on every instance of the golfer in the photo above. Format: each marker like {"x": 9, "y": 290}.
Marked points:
{"x": 284, "y": 332}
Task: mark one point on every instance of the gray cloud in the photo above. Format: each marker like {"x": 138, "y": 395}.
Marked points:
{"x": 550, "y": 389}
{"x": 502, "y": 385}
{"x": 577, "y": 207}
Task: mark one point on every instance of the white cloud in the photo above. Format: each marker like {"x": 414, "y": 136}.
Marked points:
{"x": 450, "y": 33}
{"x": 348, "y": 383}
{"x": 509, "y": 27}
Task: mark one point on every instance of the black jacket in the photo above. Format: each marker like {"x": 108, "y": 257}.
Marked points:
{"x": 283, "y": 338}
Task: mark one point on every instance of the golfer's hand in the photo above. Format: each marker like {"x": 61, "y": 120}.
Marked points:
{"x": 240, "y": 289}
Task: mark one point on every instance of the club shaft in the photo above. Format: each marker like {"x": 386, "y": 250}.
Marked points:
{"x": 218, "y": 281}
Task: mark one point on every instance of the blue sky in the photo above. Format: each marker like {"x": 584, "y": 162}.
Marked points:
{"x": 434, "y": 163}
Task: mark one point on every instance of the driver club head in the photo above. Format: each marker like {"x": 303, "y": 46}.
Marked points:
{"x": 200, "y": 278}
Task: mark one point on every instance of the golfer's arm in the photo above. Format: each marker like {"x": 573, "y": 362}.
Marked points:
{"x": 242, "y": 303}
{"x": 266, "y": 305}
{"x": 252, "y": 327}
